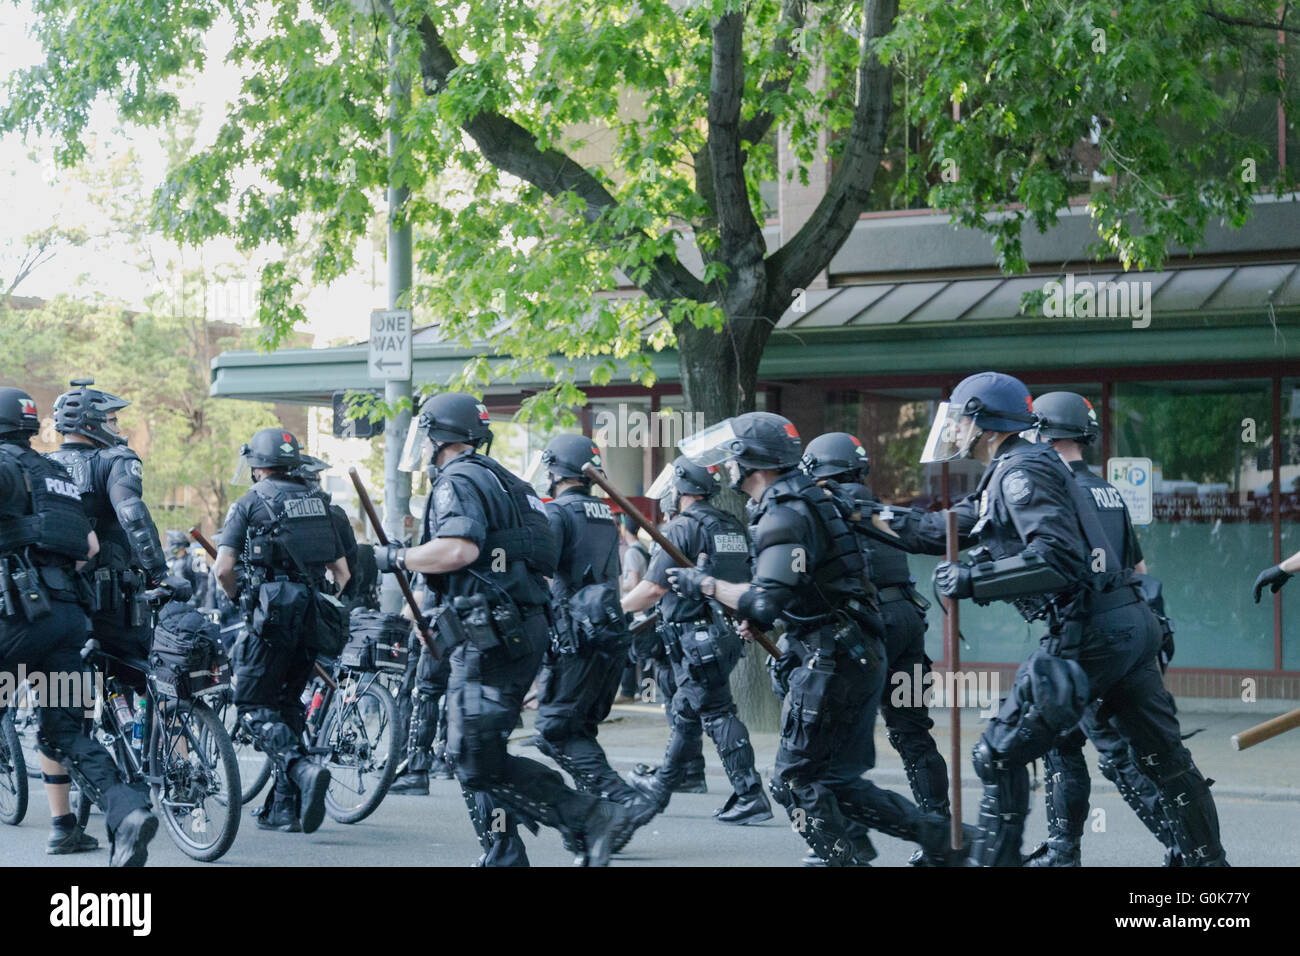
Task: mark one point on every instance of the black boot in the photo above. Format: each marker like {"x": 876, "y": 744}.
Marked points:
{"x": 692, "y": 780}
{"x": 130, "y": 841}
{"x": 278, "y": 812}
{"x": 67, "y": 837}
{"x": 312, "y": 780}
{"x": 415, "y": 783}
{"x": 602, "y": 830}
{"x": 741, "y": 809}
{"x": 1060, "y": 852}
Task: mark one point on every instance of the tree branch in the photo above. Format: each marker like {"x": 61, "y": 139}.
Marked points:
{"x": 755, "y": 128}
{"x": 737, "y": 228}
{"x": 1252, "y": 22}
{"x": 796, "y": 263}
{"x": 511, "y": 148}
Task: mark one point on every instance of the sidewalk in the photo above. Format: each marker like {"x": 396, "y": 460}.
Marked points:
{"x": 1268, "y": 771}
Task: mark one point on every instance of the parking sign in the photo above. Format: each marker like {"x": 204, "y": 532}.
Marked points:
{"x": 1134, "y": 479}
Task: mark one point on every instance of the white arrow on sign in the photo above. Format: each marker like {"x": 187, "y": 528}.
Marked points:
{"x": 390, "y": 344}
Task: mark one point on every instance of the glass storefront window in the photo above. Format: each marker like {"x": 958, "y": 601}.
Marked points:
{"x": 1212, "y": 532}
{"x": 1289, "y": 466}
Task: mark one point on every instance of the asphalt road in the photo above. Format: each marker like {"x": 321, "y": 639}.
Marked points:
{"x": 1259, "y": 812}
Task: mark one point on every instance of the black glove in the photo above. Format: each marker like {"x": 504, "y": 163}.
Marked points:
{"x": 1274, "y": 577}
{"x": 686, "y": 582}
{"x": 176, "y": 589}
{"x": 952, "y": 580}
{"x": 386, "y": 558}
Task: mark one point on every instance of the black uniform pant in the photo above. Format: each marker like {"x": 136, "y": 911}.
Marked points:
{"x": 1068, "y": 785}
{"x": 827, "y": 728}
{"x": 270, "y": 670}
{"x": 574, "y": 694}
{"x": 692, "y": 755}
{"x": 52, "y": 648}
{"x": 702, "y": 702}
{"x": 423, "y": 686}
{"x": 907, "y": 719}
{"x": 485, "y": 695}
{"x": 1117, "y": 654}
{"x": 117, "y": 635}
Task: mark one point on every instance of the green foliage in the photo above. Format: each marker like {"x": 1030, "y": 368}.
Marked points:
{"x": 159, "y": 362}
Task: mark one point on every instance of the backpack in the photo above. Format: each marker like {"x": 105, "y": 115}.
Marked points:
{"x": 187, "y": 658}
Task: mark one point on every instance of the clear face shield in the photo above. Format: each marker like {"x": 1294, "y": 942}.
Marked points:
{"x": 416, "y": 450}
{"x": 536, "y": 475}
{"x": 950, "y": 436}
{"x": 710, "y": 446}
{"x": 243, "y": 476}
{"x": 662, "y": 485}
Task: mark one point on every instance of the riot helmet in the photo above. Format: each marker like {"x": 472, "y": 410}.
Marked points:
{"x": 272, "y": 448}
{"x": 991, "y": 401}
{"x": 446, "y": 418}
{"x": 754, "y": 441}
{"x": 18, "y": 417}
{"x": 836, "y": 455}
{"x": 1066, "y": 415}
{"x": 564, "y": 457}
{"x": 683, "y": 477}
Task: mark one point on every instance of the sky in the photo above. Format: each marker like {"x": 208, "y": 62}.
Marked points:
{"x": 37, "y": 194}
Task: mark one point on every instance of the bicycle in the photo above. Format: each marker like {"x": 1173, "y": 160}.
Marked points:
{"x": 189, "y": 765}
{"x": 352, "y": 730}
{"x": 254, "y": 766}
{"x": 13, "y": 773}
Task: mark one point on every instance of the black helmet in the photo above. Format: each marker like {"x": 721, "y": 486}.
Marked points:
{"x": 310, "y": 470}
{"x": 272, "y": 448}
{"x": 177, "y": 539}
{"x": 84, "y": 411}
{"x": 18, "y": 412}
{"x": 835, "y": 453}
{"x": 455, "y": 417}
{"x": 1066, "y": 415}
{"x": 565, "y": 455}
{"x": 683, "y": 477}
{"x": 754, "y": 440}
{"x": 998, "y": 402}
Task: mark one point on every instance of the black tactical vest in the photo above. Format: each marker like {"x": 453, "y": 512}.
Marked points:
{"x": 1111, "y": 511}
{"x": 888, "y": 564}
{"x": 89, "y": 466}
{"x": 840, "y": 566}
{"x": 592, "y": 555}
{"x": 722, "y": 537}
{"x": 297, "y": 533}
{"x": 54, "y": 521}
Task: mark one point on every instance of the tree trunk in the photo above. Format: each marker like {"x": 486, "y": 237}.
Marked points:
{"x": 719, "y": 372}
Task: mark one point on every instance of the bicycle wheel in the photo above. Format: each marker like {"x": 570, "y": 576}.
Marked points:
{"x": 361, "y": 733}
{"x": 254, "y": 766}
{"x": 13, "y": 774}
{"x": 25, "y": 717}
{"x": 199, "y": 793}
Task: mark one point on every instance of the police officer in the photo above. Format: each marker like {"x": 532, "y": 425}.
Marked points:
{"x": 702, "y": 648}
{"x": 182, "y": 564}
{"x": 363, "y": 578}
{"x": 282, "y": 533}
{"x": 808, "y": 571}
{"x": 485, "y": 548}
{"x": 581, "y": 670}
{"x": 109, "y": 476}
{"x": 1068, "y": 422}
{"x": 839, "y": 458}
{"x": 44, "y": 536}
{"x": 1044, "y": 550}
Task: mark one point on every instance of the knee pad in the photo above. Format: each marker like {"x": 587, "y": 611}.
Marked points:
{"x": 985, "y": 761}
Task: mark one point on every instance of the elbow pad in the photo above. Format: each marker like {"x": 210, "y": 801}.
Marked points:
{"x": 757, "y": 605}
{"x": 134, "y": 518}
{"x": 1017, "y": 576}
{"x": 13, "y": 492}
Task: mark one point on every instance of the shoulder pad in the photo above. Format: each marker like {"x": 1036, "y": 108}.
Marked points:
{"x": 780, "y": 524}
{"x": 117, "y": 451}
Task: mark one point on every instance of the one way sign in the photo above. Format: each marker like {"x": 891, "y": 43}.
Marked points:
{"x": 390, "y": 344}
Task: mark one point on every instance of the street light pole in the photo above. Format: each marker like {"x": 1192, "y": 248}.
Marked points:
{"x": 397, "y": 484}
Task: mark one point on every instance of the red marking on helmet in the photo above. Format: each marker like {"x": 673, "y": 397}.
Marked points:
{"x": 286, "y": 436}
{"x": 855, "y": 440}
{"x": 791, "y": 430}
{"x": 1029, "y": 403}
{"x": 483, "y": 413}
{"x": 29, "y": 407}
{"x": 595, "y": 450}
{"x": 1086, "y": 402}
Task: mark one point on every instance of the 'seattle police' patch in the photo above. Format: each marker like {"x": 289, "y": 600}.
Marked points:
{"x": 1017, "y": 486}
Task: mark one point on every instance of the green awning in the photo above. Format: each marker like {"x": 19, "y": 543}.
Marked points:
{"x": 1200, "y": 314}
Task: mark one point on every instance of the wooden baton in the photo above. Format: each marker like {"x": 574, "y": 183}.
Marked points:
{"x": 1269, "y": 728}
